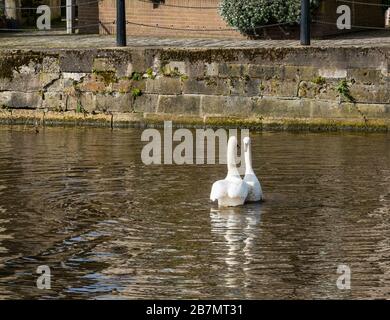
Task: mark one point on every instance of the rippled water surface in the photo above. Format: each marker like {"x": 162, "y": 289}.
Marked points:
{"x": 81, "y": 202}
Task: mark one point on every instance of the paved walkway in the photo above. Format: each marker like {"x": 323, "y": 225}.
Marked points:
{"x": 57, "y": 40}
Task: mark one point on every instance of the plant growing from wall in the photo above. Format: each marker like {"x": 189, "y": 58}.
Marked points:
{"x": 344, "y": 90}
{"x": 319, "y": 81}
{"x": 150, "y": 74}
{"x": 80, "y": 108}
{"x": 136, "y": 92}
{"x": 167, "y": 71}
{"x": 136, "y": 76}
{"x": 247, "y": 15}
{"x": 107, "y": 76}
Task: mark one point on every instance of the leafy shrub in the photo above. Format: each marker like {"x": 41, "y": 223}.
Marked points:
{"x": 247, "y": 15}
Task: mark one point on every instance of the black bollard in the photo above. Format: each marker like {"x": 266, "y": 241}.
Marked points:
{"x": 120, "y": 23}
{"x": 305, "y": 22}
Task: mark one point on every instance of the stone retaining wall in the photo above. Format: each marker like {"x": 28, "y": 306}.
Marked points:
{"x": 333, "y": 87}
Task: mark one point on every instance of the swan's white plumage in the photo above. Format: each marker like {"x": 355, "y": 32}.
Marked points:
{"x": 255, "y": 191}
{"x": 232, "y": 191}
{"x": 230, "y": 187}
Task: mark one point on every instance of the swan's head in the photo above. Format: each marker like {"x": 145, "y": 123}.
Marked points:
{"x": 247, "y": 142}
{"x": 232, "y": 143}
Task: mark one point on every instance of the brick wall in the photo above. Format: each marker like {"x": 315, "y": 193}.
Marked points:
{"x": 88, "y": 13}
{"x": 192, "y": 21}
{"x": 171, "y": 20}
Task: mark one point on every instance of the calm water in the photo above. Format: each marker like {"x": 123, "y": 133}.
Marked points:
{"x": 81, "y": 202}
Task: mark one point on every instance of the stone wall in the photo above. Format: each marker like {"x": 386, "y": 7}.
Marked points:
{"x": 324, "y": 87}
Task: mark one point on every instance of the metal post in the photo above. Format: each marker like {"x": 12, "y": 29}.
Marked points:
{"x": 120, "y": 23}
{"x": 70, "y": 16}
{"x": 305, "y": 22}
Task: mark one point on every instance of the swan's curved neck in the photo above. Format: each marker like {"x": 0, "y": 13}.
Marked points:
{"x": 248, "y": 159}
{"x": 231, "y": 160}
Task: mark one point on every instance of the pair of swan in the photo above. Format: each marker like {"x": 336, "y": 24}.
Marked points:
{"x": 234, "y": 191}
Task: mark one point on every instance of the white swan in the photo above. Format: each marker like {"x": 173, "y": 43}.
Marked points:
{"x": 232, "y": 191}
{"x": 255, "y": 192}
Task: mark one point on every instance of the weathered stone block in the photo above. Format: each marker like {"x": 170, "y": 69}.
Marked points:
{"x": 71, "y": 77}
{"x": 195, "y": 69}
{"x": 56, "y": 85}
{"x": 85, "y": 100}
{"x": 226, "y": 105}
{"x": 274, "y": 107}
{"x": 47, "y": 79}
{"x": 23, "y": 82}
{"x": 103, "y": 64}
{"x": 55, "y": 101}
{"x": 28, "y": 78}
{"x": 370, "y": 93}
{"x": 188, "y": 104}
{"x": 300, "y": 72}
{"x": 329, "y": 109}
{"x": 146, "y": 103}
{"x": 71, "y": 102}
{"x": 13, "y": 99}
{"x": 246, "y": 87}
{"x": 231, "y": 70}
{"x": 265, "y": 72}
{"x": 211, "y": 69}
{"x": 76, "y": 62}
{"x": 178, "y": 66}
{"x": 212, "y": 86}
{"x": 237, "y": 87}
{"x": 163, "y": 85}
{"x": 115, "y": 102}
{"x": 273, "y": 87}
{"x": 51, "y": 64}
{"x": 333, "y": 73}
{"x": 94, "y": 83}
{"x": 140, "y": 60}
{"x": 319, "y": 108}
{"x": 127, "y": 71}
{"x": 376, "y": 111}
{"x": 326, "y": 91}
{"x": 365, "y": 76}
{"x": 125, "y": 85}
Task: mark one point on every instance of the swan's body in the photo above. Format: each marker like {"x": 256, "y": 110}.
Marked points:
{"x": 255, "y": 192}
{"x": 232, "y": 191}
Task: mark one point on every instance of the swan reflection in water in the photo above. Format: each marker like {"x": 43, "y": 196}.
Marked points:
{"x": 238, "y": 227}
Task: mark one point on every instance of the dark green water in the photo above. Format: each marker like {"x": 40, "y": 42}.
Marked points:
{"x": 81, "y": 202}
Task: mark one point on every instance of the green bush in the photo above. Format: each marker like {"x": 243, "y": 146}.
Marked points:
{"x": 247, "y": 15}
